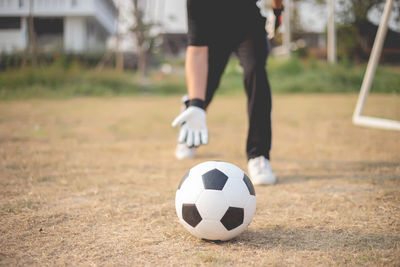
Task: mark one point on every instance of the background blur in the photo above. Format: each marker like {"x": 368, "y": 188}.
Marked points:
{"x": 58, "y": 48}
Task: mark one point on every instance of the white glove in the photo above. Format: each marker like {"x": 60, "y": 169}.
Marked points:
{"x": 194, "y": 127}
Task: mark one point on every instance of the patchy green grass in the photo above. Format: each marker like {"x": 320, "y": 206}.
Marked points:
{"x": 286, "y": 76}
{"x": 311, "y": 76}
{"x": 56, "y": 82}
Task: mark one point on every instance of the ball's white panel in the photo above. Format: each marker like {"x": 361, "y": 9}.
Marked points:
{"x": 232, "y": 171}
{"x": 178, "y": 204}
{"x": 204, "y": 167}
{"x": 236, "y": 193}
{"x": 212, "y": 204}
{"x": 249, "y": 210}
{"x": 211, "y": 230}
{"x": 191, "y": 188}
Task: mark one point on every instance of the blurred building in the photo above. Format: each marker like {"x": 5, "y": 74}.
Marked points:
{"x": 174, "y": 44}
{"x": 72, "y": 26}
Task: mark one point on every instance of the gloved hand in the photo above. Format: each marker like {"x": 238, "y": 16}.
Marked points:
{"x": 278, "y": 17}
{"x": 193, "y": 130}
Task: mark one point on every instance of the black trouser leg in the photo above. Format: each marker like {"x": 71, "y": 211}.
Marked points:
{"x": 252, "y": 53}
{"x": 218, "y": 57}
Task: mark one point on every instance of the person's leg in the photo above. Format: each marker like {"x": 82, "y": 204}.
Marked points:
{"x": 218, "y": 57}
{"x": 252, "y": 53}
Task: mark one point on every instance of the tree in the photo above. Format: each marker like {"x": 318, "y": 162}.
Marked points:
{"x": 355, "y": 29}
{"x": 353, "y": 24}
{"x": 145, "y": 32}
{"x": 117, "y": 52}
{"x": 356, "y": 11}
{"x": 30, "y": 49}
{"x": 119, "y": 56}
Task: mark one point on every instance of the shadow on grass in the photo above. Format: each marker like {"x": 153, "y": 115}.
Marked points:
{"x": 315, "y": 240}
{"x": 301, "y": 170}
{"x": 335, "y": 164}
{"x": 210, "y": 156}
{"x": 290, "y": 179}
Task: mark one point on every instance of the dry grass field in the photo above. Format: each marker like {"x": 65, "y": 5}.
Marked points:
{"x": 91, "y": 181}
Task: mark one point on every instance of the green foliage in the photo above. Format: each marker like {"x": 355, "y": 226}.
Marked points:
{"x": 321, "y": 77}
{"x": 353, "y": 24}
{"x": 66, "y": 61}
{"x": 348, "y": 44}
{"x": 58, "y": 82}
{"x": 311, "y": 76}
{"x": 286, "y": 76}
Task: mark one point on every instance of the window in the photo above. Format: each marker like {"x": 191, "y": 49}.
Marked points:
{"x": 10, "y": 23}
{"x": 74, "y": 3}
{"x": 21, "y": 3}
{"x": 45, "y": 26}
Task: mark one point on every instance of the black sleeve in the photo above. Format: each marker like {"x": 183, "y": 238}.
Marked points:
{"x": 199, "y": 22}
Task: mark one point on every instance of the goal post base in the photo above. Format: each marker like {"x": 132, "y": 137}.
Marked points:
{"x": 376, "y": 123}
{"x": 369, "y": 75}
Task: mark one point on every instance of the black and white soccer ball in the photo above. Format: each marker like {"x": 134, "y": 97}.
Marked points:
{"x": 215, "y": 201}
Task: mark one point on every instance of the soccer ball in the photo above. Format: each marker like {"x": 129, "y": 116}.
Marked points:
{"x": 215, "y": 201}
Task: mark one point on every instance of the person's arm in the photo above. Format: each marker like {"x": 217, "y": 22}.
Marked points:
{"x": 196, "y": 68}
{"x": 192, "y": 121}
{"x": 277, "y": 4}
{"x": 278, "y": 8}
{"x": 194, "y": 130}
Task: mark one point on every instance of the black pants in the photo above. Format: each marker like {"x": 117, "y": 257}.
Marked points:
{"x": 252, "y": 51}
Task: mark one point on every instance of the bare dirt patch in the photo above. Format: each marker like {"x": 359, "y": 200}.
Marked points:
{"x": 92, "y": 181}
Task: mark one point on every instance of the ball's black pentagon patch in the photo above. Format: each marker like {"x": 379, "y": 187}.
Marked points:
{"x": 191, "y": 215}
{"x": 183, "y": 179}
{"x": 249, "y": 185}
{"x": 214, "y": 179}
{"x": 233, "y": 218}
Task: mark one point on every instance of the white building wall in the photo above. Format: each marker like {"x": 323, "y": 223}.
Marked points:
{"x": 174, "y": 19}
{"x": 10, "y": 41}
{"x": 76, "y": 14}
{"x": 105, "y": 15}
{"x": 96, "y": 37}
{"x": 75, "y": 33}
{"x": 102, "y": 10}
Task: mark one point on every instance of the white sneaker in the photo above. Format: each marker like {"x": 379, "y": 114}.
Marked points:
{"x": 182, "y": 151}
{"x": 260, "y": 171}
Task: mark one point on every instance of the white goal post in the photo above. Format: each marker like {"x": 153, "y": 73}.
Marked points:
{"x": 373, "y": 61}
